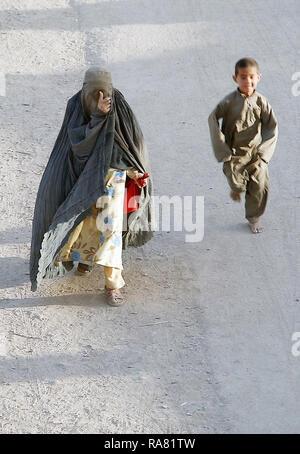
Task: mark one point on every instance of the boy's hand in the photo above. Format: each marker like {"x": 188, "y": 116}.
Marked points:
{"x": 256, "y": 167}
{"x": 104, "y": 103}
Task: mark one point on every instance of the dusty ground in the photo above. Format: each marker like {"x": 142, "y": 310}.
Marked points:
{"x": 204, "y": 343}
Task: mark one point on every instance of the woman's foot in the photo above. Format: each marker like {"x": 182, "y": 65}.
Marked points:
{"x": 114, "y": 297}
{"x": 82, "y": 268}
{"x": 68, "y": 265}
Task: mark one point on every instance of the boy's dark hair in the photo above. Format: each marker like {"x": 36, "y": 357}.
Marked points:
{"x": 245, "y": 63}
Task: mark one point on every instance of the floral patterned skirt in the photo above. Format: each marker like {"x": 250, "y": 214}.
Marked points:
{"x": 98, "y": 238}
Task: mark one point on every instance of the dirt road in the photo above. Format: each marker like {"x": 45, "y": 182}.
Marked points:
{"x": 204, "y": 344}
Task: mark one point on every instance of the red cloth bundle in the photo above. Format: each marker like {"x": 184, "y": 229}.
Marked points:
{"x": 132, "y": 193}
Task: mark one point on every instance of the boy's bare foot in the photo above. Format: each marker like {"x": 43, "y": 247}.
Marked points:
{"x": 236, "y": 196}
{"x": 255, "y": 227}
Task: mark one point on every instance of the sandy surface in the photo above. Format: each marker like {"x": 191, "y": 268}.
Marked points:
{"x": 204, "y": 343}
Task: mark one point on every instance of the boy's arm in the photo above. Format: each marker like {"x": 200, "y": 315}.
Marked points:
{"x": 269, "y": 132}
{"x": 221, "y": 149}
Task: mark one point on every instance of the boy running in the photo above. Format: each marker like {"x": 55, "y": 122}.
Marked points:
{"x": 246, "y": 140}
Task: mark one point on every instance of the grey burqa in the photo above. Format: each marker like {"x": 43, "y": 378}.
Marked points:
{"x": 89, "y": 142}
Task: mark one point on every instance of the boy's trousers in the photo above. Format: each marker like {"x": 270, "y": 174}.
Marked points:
{"x": 249, "y": 174}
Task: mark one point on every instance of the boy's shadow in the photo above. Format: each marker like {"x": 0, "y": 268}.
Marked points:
{"x": 241, "y": 227}
{"x": 233, "y": 228}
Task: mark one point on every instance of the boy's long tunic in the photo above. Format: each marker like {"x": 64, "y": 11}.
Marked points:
{"x": 245, "y": 144}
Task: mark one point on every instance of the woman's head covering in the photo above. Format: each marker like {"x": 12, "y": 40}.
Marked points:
{"x": 95, "y": 79}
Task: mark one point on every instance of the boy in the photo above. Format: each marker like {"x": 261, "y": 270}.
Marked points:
{"x": 246, "y": 141}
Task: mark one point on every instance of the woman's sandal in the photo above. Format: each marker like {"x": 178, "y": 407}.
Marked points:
{"x": 83, "y": 269}
{"x": 69, "y": 265}
{"x": 114, "y": 297}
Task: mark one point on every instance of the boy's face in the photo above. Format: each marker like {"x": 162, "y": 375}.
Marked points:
{"x": 247, "y": 79}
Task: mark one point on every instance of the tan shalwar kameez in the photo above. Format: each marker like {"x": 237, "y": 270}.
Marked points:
{"x": 245, "y": 144}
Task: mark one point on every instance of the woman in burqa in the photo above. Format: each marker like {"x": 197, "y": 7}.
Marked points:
{"x": 79, "y": 207}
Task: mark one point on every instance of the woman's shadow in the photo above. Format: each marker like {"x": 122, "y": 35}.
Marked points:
{"x": 14, "y": 271}
{"x": 95, "y": 299}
